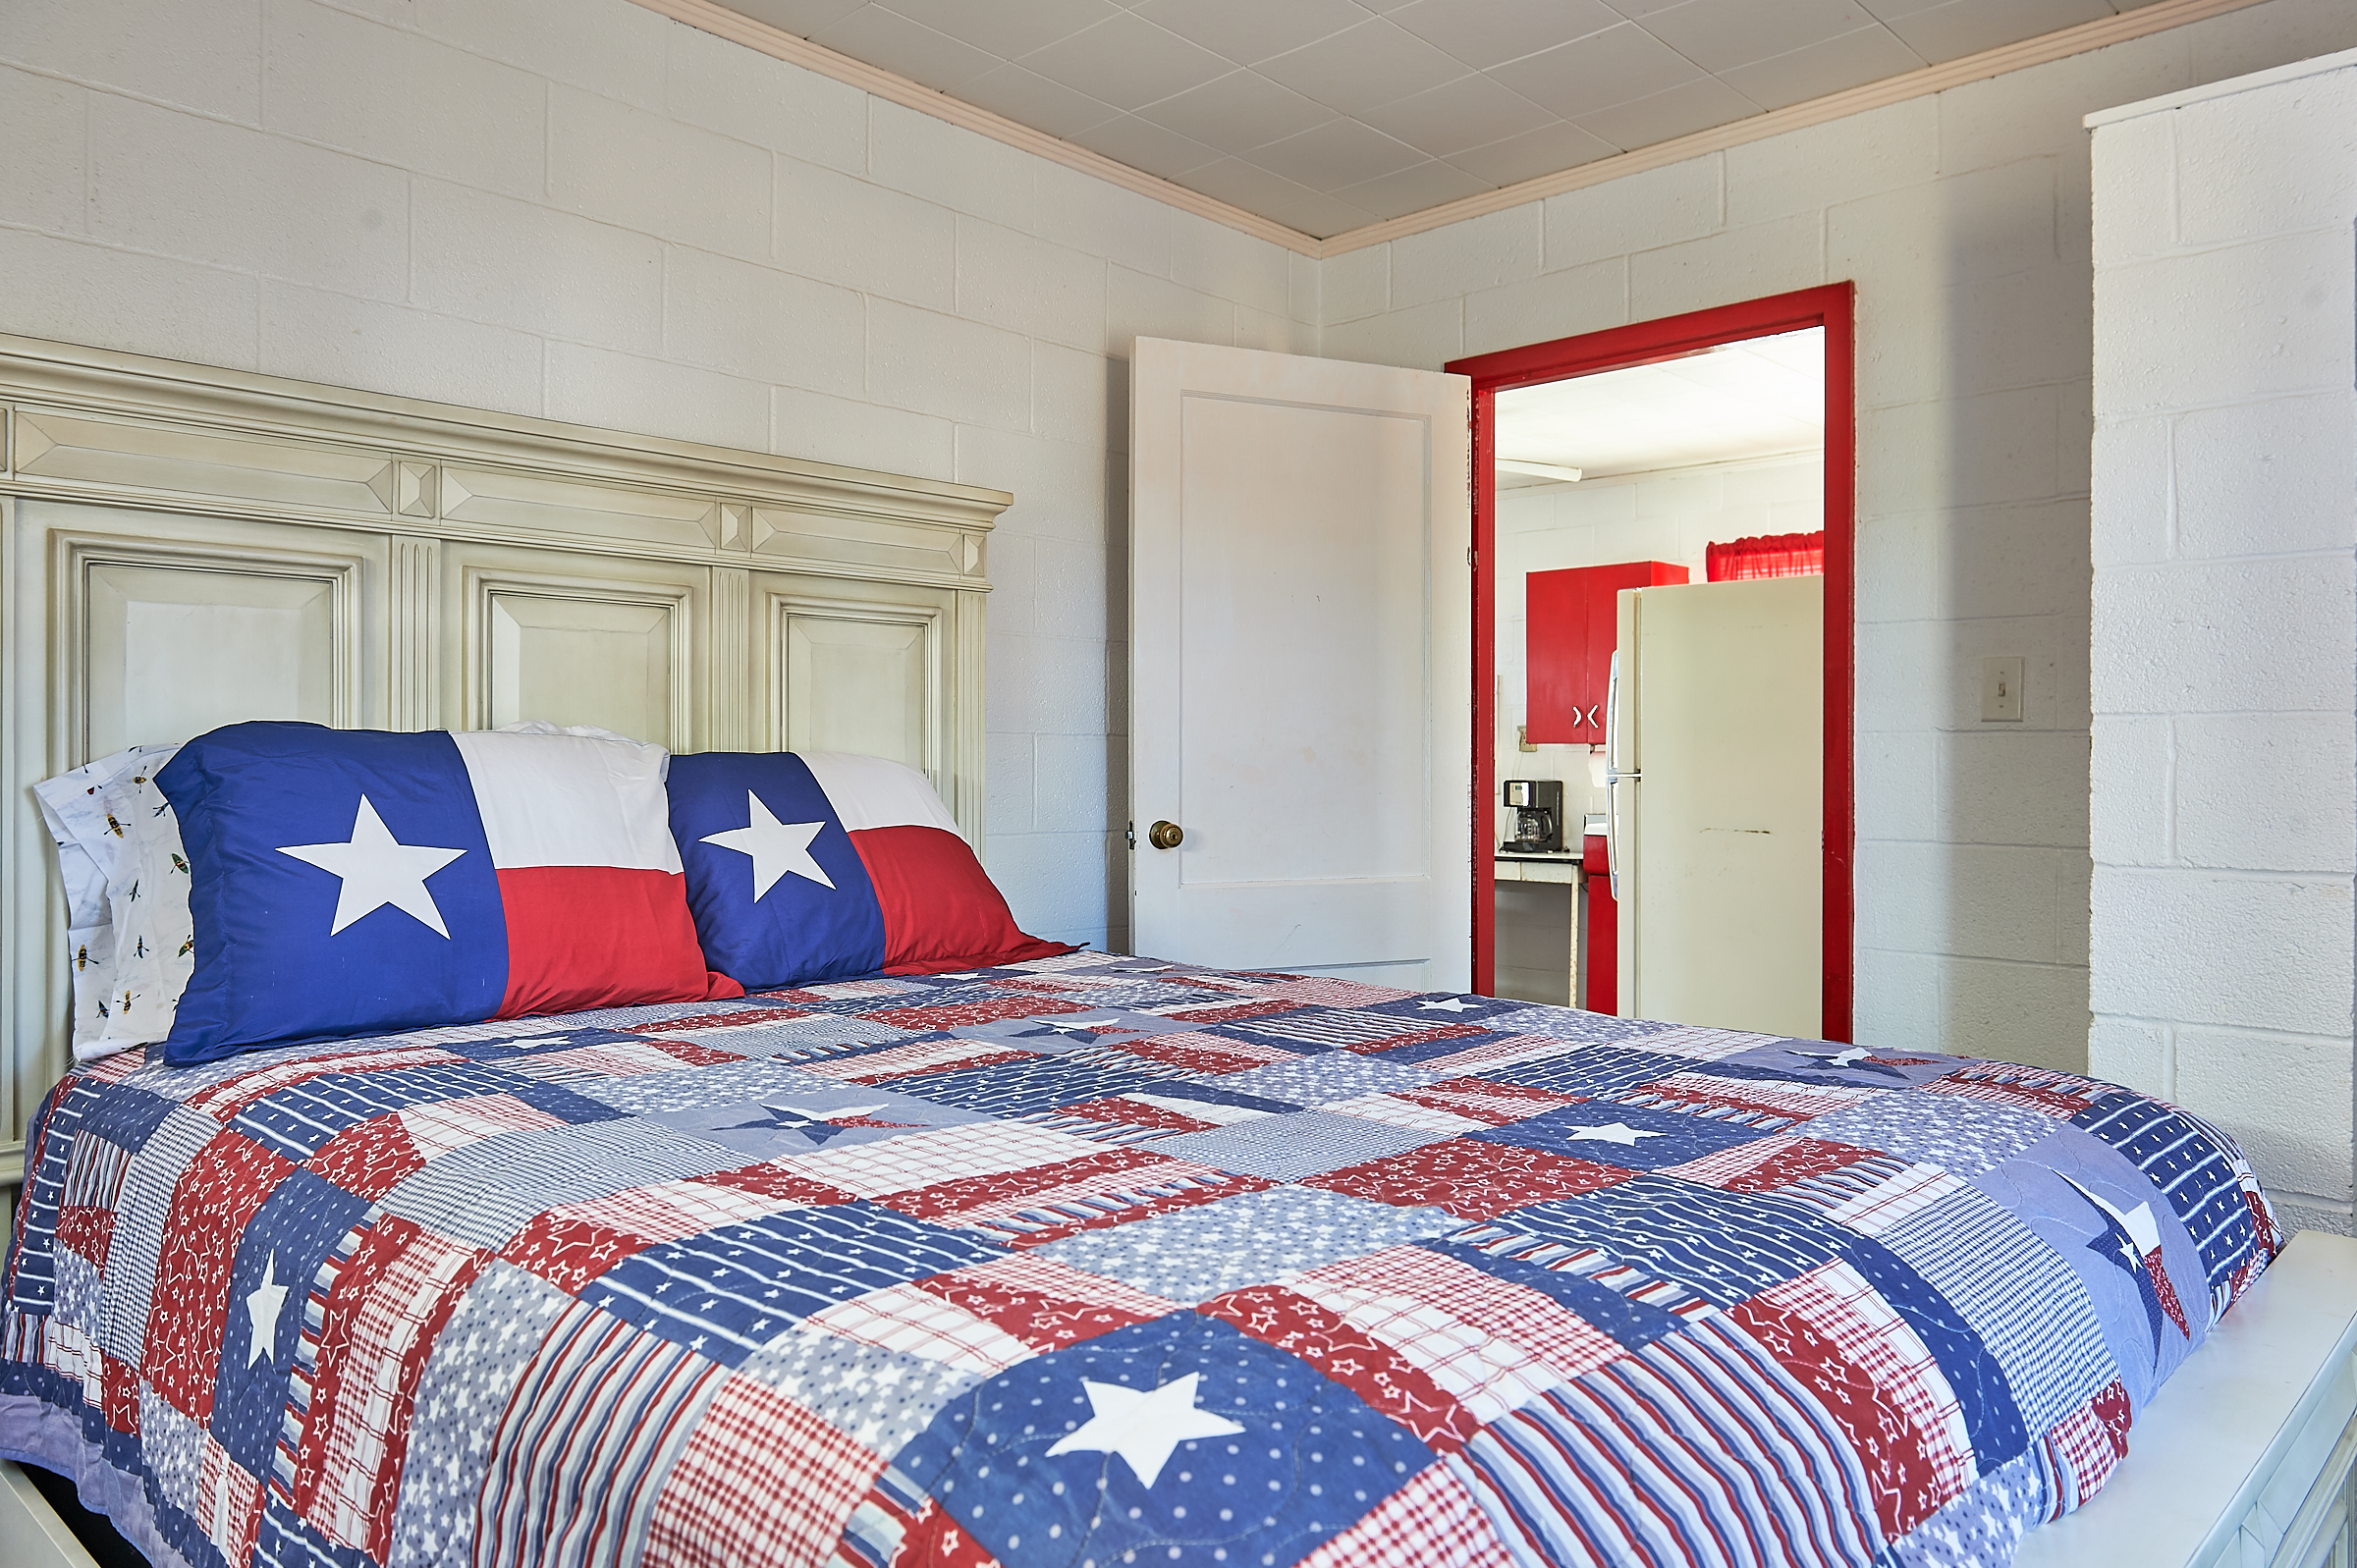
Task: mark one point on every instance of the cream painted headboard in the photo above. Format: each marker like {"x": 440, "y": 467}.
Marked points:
{"x": 183, "y": 547}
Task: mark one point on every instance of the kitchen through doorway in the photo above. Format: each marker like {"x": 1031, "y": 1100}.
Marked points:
{"x": 1662, "y": 516}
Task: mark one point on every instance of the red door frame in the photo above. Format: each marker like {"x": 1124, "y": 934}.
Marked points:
{"x": 1831, "y": 308}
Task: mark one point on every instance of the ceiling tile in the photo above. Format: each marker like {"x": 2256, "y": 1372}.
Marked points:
{"x": 1238, "y": 112}
{"x": 1372, "y": 63}
{"x": 1887, "y": 9}
{"x": 1614, "y": 66}
{"x": 1412, "y": 189}
{"x": 1633, "y": 9}
{"x": 1469, "y": 112}
{"x": 801, "y": 17}
{"x": 1852, "y": 60}
{"x": 1487, "y": 32}
{"x": 1561, "y": 145}
{"x": 1127, "y": 60}
{"x": 1967, "y": 27}
{"x": 1683, "y": 110}
{"x": 1032, "y": 99}
{"x": 1337, "y": 153}
{"x": 889, "y": 39}
{"x": 1008, "y": 29}
{"x": 1719, "y": 35}
{"x": 1250, "y": 30}
{"x": 1256, "y": 190}
{"x": 1143, "y": 144}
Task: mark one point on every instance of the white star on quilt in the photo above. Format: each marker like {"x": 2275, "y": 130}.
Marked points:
{"x": 1142, "y": 1428}
{"x": 776, "y": 848}
{"x": 378, "y": 868}
{"x": 264, "y": 1302}
{"x": 1613, "y": 1132}
{"x": 1453, "y": 1005}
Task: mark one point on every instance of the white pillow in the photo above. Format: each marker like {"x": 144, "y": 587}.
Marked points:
{"x": 147, "y": 901}
{"x": 89, "y": 850}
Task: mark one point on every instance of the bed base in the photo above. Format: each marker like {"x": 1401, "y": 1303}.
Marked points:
{"x": 2246, "y": 1458}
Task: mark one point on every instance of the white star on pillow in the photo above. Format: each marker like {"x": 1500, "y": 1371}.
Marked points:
{"x": 775, "y": 848}
{"x": 378, "y": 868}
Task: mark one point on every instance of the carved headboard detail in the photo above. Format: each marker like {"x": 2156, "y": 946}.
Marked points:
{"x": 183, "y": 546}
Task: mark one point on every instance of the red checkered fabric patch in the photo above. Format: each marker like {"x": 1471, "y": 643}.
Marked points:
{"x": 761, "y": 1480}
{"x": 1046, "y": 1304}
{"x": 1495, "y": 1103}
{"x": 1839, "y": 1339}
{"x": 917, "y": 1322}
{"x": 1470, "y": 1179}
{"x": 223, "y": 1101}
{"x": 219, "y": 1192}
{"x": 1432, "y": 1521}
{"x": 923, "y": 1056}
{"x": 229, "y": 1504}
{"x": 994, "y": 1190}
{"x": 438, "y": 1128}
{"x": 1351, "y": 1356}
{"x": 1766, "y": 1164}
{"x": 2084, "y": 1446}
{"x": 1330, "y": 993}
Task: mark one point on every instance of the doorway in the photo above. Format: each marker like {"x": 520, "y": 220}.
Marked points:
{"x": 1539, "y": 411}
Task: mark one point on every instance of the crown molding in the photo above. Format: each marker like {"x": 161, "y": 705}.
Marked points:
{"x": 711, "y": 16}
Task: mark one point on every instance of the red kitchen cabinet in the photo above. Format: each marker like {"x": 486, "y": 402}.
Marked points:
{"x": 1572, "y": 620}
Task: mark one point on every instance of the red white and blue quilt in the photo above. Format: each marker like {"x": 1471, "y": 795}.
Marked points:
{"x": 1096, "y": 1260}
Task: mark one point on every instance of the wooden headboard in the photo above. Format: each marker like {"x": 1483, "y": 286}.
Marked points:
{"x": 183, "y": 547}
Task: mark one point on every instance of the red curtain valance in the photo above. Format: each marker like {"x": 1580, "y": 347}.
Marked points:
{"x": 1768, "y": 554}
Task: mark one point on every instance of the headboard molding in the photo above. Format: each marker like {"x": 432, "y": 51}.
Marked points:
{"x": 182, "y": 545}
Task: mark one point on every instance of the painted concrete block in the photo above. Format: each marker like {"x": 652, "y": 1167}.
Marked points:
{"x": 1088, "y": 215}
{"x": 80, "y": 293}
{"x": 1076, "y": 679}
{"x": 2026, "y": 786}
{"x": 2133, "y": 502}
{"x": 1842, "y": 160}
{"x": 2248, "y": 321}
{"x": 1007, "y": 776}
{"x": 739, "y": 93}
{"x": 2285, "y": 31}
{"x": 1302, "y": 291}
{"x": 518, "y": 265}
{"x": 1896, "y": 771}
{"x": 1139, "y": 306}
{"x": 43, "y": 127}
{"x": 642, "y": 171}
{"x": 1054, "y": 882}
{"x": 1072, "y": 397}
{"x": 950, "y": 166}
{"x": 1895, "y": 1001}
{"x": 2267, "y": 791}
{"x": 1009, "y": 682}
{"x": 206, "y": 55}
{"x": 354, "y": 85}
{"x": 605, "y": 46}
{"x": 2133, "y": 1052}
{"x": 845, "y": 231}
{"x": 1724, "y": 268}
{"x": 2225, "y": 636}
{"x": 2024, "y": 114}
{"x": 1014, "y": 583}
{"x": 2268, "y": 477}
{"x": 2158, "y": 952}
{"x": 940, "y": 364}
{"x": 1423, "y": 338}
{"x": 163, "y": 181}
{"x": 1553, "y": 305}
{"x": 1968, "y": 901}
{"x": 762, "y": 324}
{"x": 2134, "y": 200}
{"x": 626, "y": 392}
{"x": 1076, "y": 579}
{"x": 1256, "y": 329}
{"x": 1354, "y": 284}
{"x": 346, "y": 342}
{"x": 1015, "y": 280}
{"x": 1984, "y": 224}
{"x": 864, "y": 435}
{"x": 1639, "y": 212}
{"x": 2129, "y": 771}
{"x": 1062, "y": 490}
{"x": 1961, "y": 451}
{"x": 2035, "y": 1014}
{"x": 2016, "y": 559}
{"x": 2284, "y": 1100}
{"x": 1233, "y": 265}
{"x": 1073, "y": 780}
{"x": 1484, "y": 252}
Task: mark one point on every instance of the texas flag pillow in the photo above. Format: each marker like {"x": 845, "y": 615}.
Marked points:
{"x": 349, "y": 882}
{"x": 823, "y": 865}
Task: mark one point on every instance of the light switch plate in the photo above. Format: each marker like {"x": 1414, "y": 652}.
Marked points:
{"x": 2001, "y": 690}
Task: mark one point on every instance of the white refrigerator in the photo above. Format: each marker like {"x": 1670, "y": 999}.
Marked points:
{"x": 1715, "y": 770}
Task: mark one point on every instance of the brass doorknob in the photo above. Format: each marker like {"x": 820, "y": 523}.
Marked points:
{"x": 1164, "y": 834}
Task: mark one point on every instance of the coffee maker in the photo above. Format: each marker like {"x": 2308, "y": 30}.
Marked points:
{"x": 1538, "y": 808}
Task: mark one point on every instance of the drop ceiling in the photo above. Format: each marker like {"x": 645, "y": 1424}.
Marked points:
{"x": 1328, "y": 115}
{"x": 1761, "y": 398}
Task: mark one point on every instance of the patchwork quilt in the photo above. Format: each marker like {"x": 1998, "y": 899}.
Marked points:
{"x": 1095, "y": 1260}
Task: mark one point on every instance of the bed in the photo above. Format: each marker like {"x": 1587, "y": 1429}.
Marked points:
{"x": 782, "y": 1278}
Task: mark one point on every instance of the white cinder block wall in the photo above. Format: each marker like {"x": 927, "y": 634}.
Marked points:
{"x": 1963, "y": 220}
{"x": 2225, "y": 792}
{"x": 578, "y": 209}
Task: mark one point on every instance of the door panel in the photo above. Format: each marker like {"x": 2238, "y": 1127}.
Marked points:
{"x": 1300, "y": 663}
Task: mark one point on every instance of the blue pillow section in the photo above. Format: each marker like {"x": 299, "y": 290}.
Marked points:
{"x": 797, "y": 931}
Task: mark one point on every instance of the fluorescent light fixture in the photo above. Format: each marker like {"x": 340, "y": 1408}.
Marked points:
{"x": 1540, "y": 471}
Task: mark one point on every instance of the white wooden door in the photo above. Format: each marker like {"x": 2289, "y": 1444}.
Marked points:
{"x": 1301, "y": 664}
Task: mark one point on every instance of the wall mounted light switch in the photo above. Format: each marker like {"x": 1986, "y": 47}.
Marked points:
{"x": 2001, "y": 690}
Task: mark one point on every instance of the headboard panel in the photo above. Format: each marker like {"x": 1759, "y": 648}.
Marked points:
{"x": 182, "y": 546}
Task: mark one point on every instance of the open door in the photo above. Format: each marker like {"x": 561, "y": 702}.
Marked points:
{"x": 1301, "y": 711}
